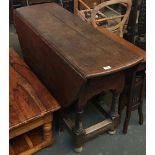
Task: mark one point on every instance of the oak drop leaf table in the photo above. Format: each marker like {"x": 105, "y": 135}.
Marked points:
{"x": 75, "y": 62}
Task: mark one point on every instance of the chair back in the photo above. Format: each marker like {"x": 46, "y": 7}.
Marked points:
{"x": 98, "y": 15}
{"x": 119, "y": 17}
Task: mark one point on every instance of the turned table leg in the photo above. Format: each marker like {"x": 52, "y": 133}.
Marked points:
{"x": 78, "y": 131}
{"x": 114, "y": 110}
{"x": 47, "y": 132}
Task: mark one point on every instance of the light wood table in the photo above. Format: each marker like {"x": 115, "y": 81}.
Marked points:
{"x": 31, "y": 106}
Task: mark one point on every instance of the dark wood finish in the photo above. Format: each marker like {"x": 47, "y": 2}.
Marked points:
{"x": 136, "y": 84}
{"x": 131, "y": 27}
{"x": 30, "y": 104}
{"x": 132, "y": 96}
{"x": 74, "y": 60}
{"x": 136, "y": 32}
{"x": 68, "y": 4}
{"x": 141, "y": 38}
{"x": 12, "y": 5}
{"x": 68, "y": 39}
{"x": 125, "y": 43}
{"x": 31, "y": 2}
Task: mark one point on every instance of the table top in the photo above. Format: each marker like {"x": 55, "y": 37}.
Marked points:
{"x": 29, "y": 99}
{"x": 88, "y": 51}
{"x": 125, "y": 43}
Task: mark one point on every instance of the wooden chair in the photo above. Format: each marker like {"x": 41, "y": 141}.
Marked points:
{"x": 103, "y": 15}
{"x": 132, "y": 96}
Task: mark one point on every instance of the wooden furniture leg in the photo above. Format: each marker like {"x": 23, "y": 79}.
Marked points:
{"x": 132, "y": 96}
{"x": 59, "y": 125}
{"x": 111, "y": 120}
{"x": 140, "y": 112}
{"x": 47, "y": 131}
{"x": 114, "y": 110}
{"x": 140, "y": 107}
{"x": 132, "y": 79}
{"x": 75, "y": 7}
{"x": 79, "y": 131}
{"x": 120, "y": 106}
{"x": 127, "y": 119}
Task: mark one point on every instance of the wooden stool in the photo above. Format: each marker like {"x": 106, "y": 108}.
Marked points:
{"x": 30, "y": 106}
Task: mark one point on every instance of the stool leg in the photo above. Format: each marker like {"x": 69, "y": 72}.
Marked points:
{"x": 140, "y": 112}
{"x": 127, "y": 119}
{"x": 78, "y": 130}
{"x": 47, "y": 131}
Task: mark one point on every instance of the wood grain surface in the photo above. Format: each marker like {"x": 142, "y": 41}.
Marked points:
{"x": 82, "y": 47}
{"x": 29, "y": 99}
{"x": 65, "y": 52}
